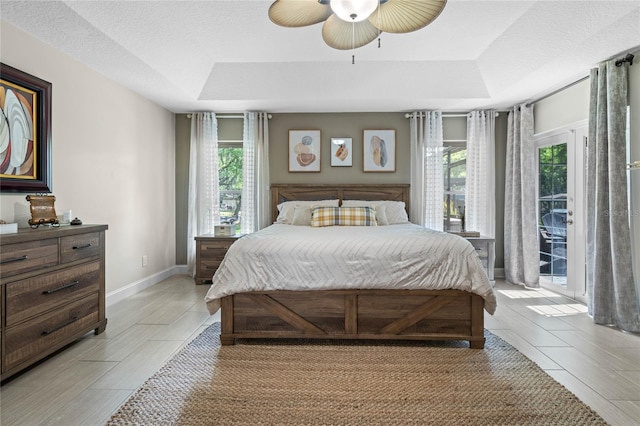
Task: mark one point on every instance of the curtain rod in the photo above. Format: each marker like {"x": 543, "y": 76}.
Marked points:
{"x": 627, "y": 58}
{"x": 557, "y": 91}
{"x": 452, "y": 114}
{"x": 230, "y": 116}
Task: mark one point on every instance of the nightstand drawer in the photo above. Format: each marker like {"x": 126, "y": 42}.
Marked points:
{"x": 481, "y": 248}
{"x": 208, "y": 268}
{"x": 214, "y": 249}
{"x": 31, "y": 297}
{"x": 485, "y": 248}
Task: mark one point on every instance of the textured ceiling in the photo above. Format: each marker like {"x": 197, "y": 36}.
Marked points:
{"x": 227, "y": 56}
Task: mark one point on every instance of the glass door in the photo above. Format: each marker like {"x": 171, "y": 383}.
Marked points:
{"x": 560, "y": 207}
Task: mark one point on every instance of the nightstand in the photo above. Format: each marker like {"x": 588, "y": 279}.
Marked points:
{"x": 210, "y": 250}
{"x": 485, "y": 247}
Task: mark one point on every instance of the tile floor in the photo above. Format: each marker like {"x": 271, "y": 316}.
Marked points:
{"x": 85, "y": 383}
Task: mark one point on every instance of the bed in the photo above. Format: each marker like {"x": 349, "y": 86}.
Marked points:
{"x": 272, "y": 284}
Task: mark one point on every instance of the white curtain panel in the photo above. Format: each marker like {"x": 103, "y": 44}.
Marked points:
{"x": 204, "y": 192}
{"x": 611, "y": 293}
{"x": 255, "y": 172}
{"x": 521, "y": 251}
{"x": 427, "y": 186}
{"x": 480, "y": 196}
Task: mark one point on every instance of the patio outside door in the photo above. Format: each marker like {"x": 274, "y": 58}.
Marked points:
{"x": 560, "y": 211}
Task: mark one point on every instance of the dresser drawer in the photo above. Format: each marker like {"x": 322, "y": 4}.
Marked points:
{"x": 49, "y": 291}
{"x": 76, "y": 247}
{"x": 47, "y": 332}
{"x": 214, "y": 249}
{"x": 25, "y": 257}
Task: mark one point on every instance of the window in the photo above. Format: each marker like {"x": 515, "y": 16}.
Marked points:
{"x": 552, "y": 211}
{"x": 230, "y": 155}
{"x": 230, "y": 182}
{"x": 454, "y": 168}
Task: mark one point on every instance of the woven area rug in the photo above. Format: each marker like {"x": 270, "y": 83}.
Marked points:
{"x": 352, "y": 383}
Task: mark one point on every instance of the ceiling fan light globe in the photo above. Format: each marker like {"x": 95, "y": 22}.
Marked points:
{"x": 354, "y": 10}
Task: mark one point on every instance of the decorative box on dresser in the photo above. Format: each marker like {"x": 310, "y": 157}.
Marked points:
{"x": 52, "y": 284}
{"x": 210, "y": 250}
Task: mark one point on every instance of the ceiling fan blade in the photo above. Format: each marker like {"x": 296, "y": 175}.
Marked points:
{"x": 404, "y": 16}
{"x": 298, "y": 13}
{"x": 347, "y": 35}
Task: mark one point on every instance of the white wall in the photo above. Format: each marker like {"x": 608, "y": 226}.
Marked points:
{"x": 564, "y": 108}
{"x": 113, "y": 160}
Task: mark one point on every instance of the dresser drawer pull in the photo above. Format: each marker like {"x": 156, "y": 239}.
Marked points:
{"x": 71, "y": 321}
{"x": 71, "y": 284}
{"x": 15, "y": 259}
{"x": 81, "y": 247}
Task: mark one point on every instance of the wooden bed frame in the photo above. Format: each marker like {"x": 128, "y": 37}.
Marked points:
{"x": 352, "y": 314}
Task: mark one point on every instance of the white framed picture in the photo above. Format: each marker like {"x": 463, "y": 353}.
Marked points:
{"x": 304, "y": 150}
{"x": 379, "y": 150}
{"x": 341, "y": 152}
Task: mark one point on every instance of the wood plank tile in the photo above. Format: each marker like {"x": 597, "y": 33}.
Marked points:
{"x": 598, "y": 364}
{"x": 593, "y": 373}
{"x": 131, "y": 372}
{"x": 531, "y": 332}
{"x": 630, "y": 408}
{"x": 103, "y": 403}
{"x": 528, "y": 350}
{"x": 607, "y": 355}
{"x": 120, "y": 347}
{"x": 605, "y": 408}
{"x": 51, "y": 395}
{"x": 182, "y": 327}
{"x": 167, "y": 312}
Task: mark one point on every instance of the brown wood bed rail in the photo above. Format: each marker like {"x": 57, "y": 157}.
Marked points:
{"x": 355, "y": 314}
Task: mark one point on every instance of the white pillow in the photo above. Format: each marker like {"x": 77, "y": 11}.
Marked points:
{"x": 287, "y": 209}
{"x": 394, "y": 210}
{"x": 302, "y": 216}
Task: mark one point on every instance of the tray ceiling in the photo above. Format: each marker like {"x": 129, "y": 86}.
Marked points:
{"x": 227, "y": 56}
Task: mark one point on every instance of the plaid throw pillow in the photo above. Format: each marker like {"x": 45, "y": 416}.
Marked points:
{"x": 343, "y": 216}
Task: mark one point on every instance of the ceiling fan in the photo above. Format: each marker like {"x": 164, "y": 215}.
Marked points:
{"x": 350, "y": 24}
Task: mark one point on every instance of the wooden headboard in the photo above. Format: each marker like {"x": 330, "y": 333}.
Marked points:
{"x": 282, "y": 192}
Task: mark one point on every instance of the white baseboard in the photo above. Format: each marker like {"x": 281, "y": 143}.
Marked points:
{"x": 135, "y": 287}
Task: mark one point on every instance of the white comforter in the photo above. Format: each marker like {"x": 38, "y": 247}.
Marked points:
{"x": 287, "y": 257}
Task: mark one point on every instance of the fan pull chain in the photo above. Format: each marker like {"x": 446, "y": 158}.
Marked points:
{"x": 353, "y": 42}
{"x": 378, "y": 24}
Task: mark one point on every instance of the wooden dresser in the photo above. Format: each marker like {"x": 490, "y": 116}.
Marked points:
{"x": 210, "y": 250}
{"x": 52, "y": 284}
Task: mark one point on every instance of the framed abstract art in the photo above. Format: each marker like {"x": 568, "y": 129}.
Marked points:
{"x": 25, "y": 132}
{"x": 304, "y": 150}
{"x": 341, "y": 152}
{"x": 379, "y": 150}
